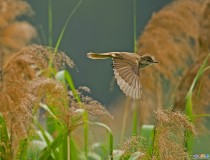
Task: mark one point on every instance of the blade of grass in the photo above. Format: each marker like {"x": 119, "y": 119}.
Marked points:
{"x": 50, "y": 21}
{"x": 43, "y": 134}
{"x": 136, "y": 156}
{"x": 134, "y": 27}
{"x": 135, "y": 118}
{"x": 85, "y": 127}
{"x": 63, "y": 31}
{"x": 201, "y": 115}
{"x": 53, "y": 146}
{"x": 99, "y": 148}
{"x": 174, "y": 92}
{"x": 110, "y": 136}
{"x": 118, "y": 154}
{"x": 66, "y": 77}
{"x": 46, "y": 108}
{"x": 75, "y": 153}
{"x": 189, "y": 105}
{"x": 22, "y": 150}
{"x": 125, "y": 117}
{"x": 135, "y": 107}
{"x": 68, "y": 147}
{"x": 147, "y": 131}
{"x": 5, "y": 147}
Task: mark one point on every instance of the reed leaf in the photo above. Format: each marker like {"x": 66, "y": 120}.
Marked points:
{"x": 46, "y": 153}
{"x": 5, "y": 147}
{"x": 189, "y": 104}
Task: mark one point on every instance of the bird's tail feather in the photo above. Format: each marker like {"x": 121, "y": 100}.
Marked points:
{"x": 99, "y": 56}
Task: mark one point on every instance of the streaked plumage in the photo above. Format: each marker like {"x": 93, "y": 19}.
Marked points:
{"x": 126, "y": 68}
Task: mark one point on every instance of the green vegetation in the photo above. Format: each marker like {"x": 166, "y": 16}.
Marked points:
{"x": 62, "y": 119}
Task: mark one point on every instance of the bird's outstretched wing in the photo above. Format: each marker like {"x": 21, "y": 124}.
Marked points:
{"x": 126, "y": 72}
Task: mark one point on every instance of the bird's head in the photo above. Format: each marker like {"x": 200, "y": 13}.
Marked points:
{"x": 146, "y": 60}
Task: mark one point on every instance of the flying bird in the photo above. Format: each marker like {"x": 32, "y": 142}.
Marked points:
{"x": 126, "y": 68}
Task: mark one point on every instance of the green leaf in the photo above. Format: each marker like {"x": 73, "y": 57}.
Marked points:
{"x": 48, "y": 109}
{"x": 117, "y": 154}
{"x": 50, "y": 22}
{"x": 189, "y": 106}
{"x": 94, "y": 156}
{"x": 46, "y": 153}
{"x": 100, "y": 148}
{"x": 110, "y": 136}
{"x": 75, "y": 152}
{"x": 45, "y": 137}
{"x": 65, "y": 76}
{"x": 35, "y": 148}
{"x": 5, "y": 147}
{"x": 63, "y": 31}
{"x": 136, "y": 156}
{"x": 22, "y": 149}
{"x": 147, "y": 131}
{"x": 86, "y": 128}
{"x": 135, "y": 119}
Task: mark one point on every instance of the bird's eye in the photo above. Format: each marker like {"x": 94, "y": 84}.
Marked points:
{"x": 149, "y": 59}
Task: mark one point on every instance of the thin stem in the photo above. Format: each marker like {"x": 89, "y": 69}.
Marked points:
{"x": 69, "y": 146}
{"x": 135, "y": 119}
{"x": 174, "y": 93}
{"x": 85, "y": 127}
{"x": 125, "y": 117}
{"x": 50, "y": 26}
{"x": 62, "y": 32}
{"x": 135, "y": 108}
{"x": 201, "y": 115}
{"x": 110, "y": 136}
{"x": 134, "y": 26}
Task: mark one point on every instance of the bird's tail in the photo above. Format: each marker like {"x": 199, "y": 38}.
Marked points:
{"x": 99, "y": 56}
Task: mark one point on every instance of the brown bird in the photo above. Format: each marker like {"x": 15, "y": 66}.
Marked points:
{"x": 126, "y": 70}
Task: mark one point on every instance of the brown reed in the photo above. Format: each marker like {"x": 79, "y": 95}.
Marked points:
{"x": 169, "y": 136}
{"x": 177, "y": 37}
{"x": 24, "y": 84}
{"x": 14, "y": 34}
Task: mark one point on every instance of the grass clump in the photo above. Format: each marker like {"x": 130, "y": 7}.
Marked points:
{"x": 24, "y": 85}
{"x": 44, "y": 116}
{"x": 169, "y": 135}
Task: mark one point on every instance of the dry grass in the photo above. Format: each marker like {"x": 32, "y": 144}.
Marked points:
{"x": 24, "y": 84}
{"x": 177, "y": 37}
{"x": 169, "y": 139}
{"x": 14, "y": 34}
{"x": 134, "y": 144}
{"x": 96, "y": 111}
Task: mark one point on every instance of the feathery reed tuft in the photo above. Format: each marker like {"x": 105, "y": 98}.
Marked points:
{"x": 24, "y": 84}
{"x": 96, "y": 111}
{"x": 132, "y": 145}
{"x": 14, "y": 34}
{"x": 169, "y": 137}
{"x": 174, "y": 37}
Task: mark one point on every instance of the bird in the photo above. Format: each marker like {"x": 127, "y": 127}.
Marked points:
{"x": 127, "y": 68}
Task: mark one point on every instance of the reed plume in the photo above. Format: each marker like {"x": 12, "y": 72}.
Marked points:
{"x": 24, "y": 84}
{"x": 176, "y": 36}
{"x": 14, "y": 34}
{"x": 169, "y": 135}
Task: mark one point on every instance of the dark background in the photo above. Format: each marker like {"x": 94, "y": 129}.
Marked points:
{"x": 97, "y": 26}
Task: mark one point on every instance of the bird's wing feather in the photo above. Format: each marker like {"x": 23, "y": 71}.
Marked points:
{"x": 126, "y": 72}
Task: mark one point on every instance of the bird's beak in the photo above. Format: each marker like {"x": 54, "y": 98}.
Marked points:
{"x": 155, "y": 62}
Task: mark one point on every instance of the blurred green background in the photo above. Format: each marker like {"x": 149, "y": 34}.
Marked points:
{"x": 97, "y": 26}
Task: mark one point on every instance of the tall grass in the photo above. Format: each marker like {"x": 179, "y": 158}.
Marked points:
{"x": 54, "y": 135}
{"x": 135, "y": 107}
{"x": 189, "y": 105}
